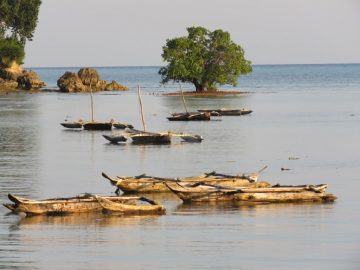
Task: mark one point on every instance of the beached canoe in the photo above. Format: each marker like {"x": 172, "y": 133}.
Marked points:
{"x": 274, "y": 194}
{"x": 190, "y": 116}
{"x": 150, "y": 209}
{"x": 153, "y": 184}
{"x": 226, "y": 112}
{"x": 56, "y": 206}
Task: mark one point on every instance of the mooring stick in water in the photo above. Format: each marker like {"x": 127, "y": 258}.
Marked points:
{"x": 141, "y": 109}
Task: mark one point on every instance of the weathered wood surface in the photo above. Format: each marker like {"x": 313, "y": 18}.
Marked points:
{"x": 151, "y": 138}
{"x": 80, "y": 204}
{"x": 152, "y": 209}
{"x": 203, "y": 193}
{"x": 225, "y": 112}
{"x": 151, "y": 184}
{"x": 190, "y": 116}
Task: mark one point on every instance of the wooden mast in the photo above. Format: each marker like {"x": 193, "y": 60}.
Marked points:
{"x": 92, "y": 104}
{"x": 183, "y": 99}
{"x": 141, "y": 110}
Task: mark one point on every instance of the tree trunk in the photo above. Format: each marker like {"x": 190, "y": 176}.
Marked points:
{"x": 199, "y": 87}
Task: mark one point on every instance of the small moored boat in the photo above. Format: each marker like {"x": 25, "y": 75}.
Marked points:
{"x": 153, "y": 184}
{"x": 226, "y": 112}
{"x": 274, "y": 194}
{"x": 119, "y": 125}
{"x": 98, "y": 125}
{"x": 192, "y": 138}
{"x": 74, "y": 124}
{"x": 58, "y": 206}
{"x": 151, "y": 209}
{"x": 190, "y": 116}
{"x": 151, "y": 138}
{"x": 115, "y": 138}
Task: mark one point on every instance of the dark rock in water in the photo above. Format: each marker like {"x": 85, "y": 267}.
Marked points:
{"x": 30, "y": 80}
{"x": 89, "y": 76}
{"x": 85, "y": 80}
{"x": 70, "y": 82}
{"x": 115, "y": 86}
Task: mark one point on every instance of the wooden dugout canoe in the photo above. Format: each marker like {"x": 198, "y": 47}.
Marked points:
{"x": 190, "y": 116}
{"x": 274, "y": 194}
{"x": 152, "y": 184}
{"x": 151, "y": 138}
{"x": 126, "y": 209}
{"x": 56, "y": 206}
{"x": 98, "y": 125}
{"x": 72, "y": 125}
{"x": 227, "y": 112}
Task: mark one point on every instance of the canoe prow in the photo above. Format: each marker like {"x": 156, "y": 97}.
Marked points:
{"x": 15, "y": 199}
{"x": 113, "y": 181}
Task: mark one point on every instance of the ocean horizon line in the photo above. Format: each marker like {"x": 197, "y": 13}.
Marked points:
{"x": 157, "y": 66}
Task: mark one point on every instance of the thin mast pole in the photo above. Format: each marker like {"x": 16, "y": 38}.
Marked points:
{"x": 92, "y": 104}
{"x": 141, "y": 110}
{"x": 183, "y": 99}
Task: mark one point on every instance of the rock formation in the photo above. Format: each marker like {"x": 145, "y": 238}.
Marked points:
{"x": 70, "y": 82}
{"x": 14, "y": 77}
{"x": 30, "y": 80}
{"x": 85, "y": 80}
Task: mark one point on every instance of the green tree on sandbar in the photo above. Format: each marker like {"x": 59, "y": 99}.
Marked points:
{"x": 18, "y": 20}
{"x": 206, "y": 59}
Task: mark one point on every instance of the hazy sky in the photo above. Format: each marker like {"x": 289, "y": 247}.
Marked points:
{"x": 132, "y": 32}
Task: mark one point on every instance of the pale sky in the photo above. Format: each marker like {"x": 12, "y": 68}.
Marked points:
{"x": 132, "y": 32}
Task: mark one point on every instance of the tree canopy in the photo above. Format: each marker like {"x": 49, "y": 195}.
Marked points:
{"x": 206, "y": 59}
{"x": 18, "y": 20}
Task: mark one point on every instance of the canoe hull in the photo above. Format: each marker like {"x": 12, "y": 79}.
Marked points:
{"x": 144, "y": 138}
{"x": 131, "y": 209}
{"x": 81, "y": 204}
{"x": 115, "y": 139}
{"x": 131, "y": 185}
{"x": 72, "y": 125}
{"x": 227, "y": 112}
{"x": 263, "y": 195}
{"x": 97, "y": 126}
{"x": 122, "y": 125}
{"x": 195, "y": 116}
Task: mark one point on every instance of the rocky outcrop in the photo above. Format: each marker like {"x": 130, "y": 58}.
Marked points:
{"x": 8, "y": 84}
{"x": 89, "y": 76}
{"x": 85, "y": 80}
{"x": 70, "y": 82}
{"x": 115, "y": 86}
{"x": 14, "y": 77}
{"x": 29, "y": 80}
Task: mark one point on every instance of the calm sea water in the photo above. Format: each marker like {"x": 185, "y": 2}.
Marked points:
{"x": 310, "y": 112}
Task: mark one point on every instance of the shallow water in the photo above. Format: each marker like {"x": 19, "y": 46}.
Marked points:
{"x": 316, "y": 120}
